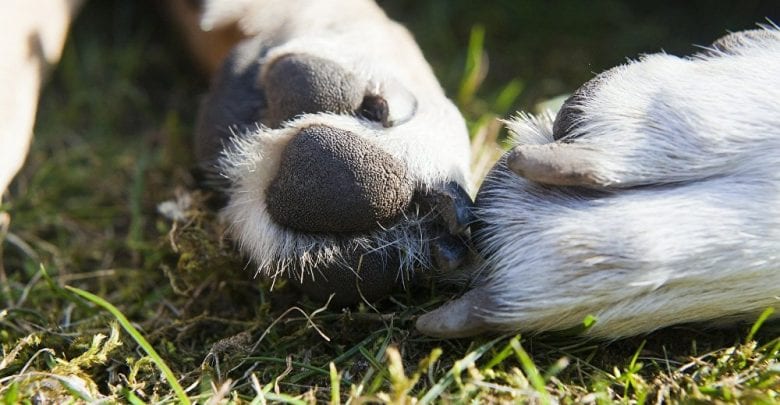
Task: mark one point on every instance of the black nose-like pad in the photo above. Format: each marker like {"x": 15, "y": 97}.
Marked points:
{"x": 296, "y": 84}
{"x": 334, "y": 181}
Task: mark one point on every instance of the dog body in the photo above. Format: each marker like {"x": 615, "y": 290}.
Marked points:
{"x": 652, "y": 199}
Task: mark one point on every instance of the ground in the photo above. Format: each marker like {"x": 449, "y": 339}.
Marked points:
{"x": 112, "y": 142}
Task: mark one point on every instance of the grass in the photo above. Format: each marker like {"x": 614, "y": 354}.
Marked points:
{"x": 137, "y": 337}
{"x": 111, "y": 144}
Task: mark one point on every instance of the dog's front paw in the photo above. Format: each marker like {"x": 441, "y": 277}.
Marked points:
{"x": 334, "y": 181}
{"x": 345, "y": 180}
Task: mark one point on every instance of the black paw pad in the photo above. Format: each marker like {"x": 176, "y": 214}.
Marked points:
{"x": 298, "y": 84}
{"x": 333, "y": 181}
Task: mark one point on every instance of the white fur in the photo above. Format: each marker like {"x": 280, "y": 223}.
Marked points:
{"x": 430, "y": 136}
{"x": 667, "y": 119}
{"x": 699, "y": 239}
{"x": 276, "y": 249}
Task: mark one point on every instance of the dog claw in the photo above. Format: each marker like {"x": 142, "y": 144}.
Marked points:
{"x": 452, "y": 204}
{"x": 448, "y": 252}
{"x": 553, "y": 163}
{"x": 451, "y": 208}
{"x": 456, "y": 319}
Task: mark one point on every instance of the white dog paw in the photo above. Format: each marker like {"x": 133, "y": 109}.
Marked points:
{"x": 679, "y": 217}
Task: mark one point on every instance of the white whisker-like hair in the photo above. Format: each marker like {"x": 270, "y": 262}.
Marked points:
{"x": 250, "y": 164}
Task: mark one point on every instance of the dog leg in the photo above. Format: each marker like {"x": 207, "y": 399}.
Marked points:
{"x": 32, "y": 40}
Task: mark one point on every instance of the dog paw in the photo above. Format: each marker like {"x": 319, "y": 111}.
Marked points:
{"x": 697, "y": 242}
{"x": 344, "y": 180}
{"x": 659, "y": 120}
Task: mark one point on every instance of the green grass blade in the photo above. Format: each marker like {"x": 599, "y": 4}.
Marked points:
{"x": 475, "y": 69}
{"x": 133, "y": 399}
{"x": 530, "y": 369}
{"x": 284, "y": 399}
{"x": 12, "y": 394}
{"x": 498, "y": 358}
{"x": 136, "y": 335}
{"x": 335, "y": 385}
{"x": 459, "y": 366}
{"x": 760, "y": 321}
{"x": 506, "y": 98}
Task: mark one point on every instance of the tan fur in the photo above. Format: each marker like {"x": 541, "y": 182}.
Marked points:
{"x": 31, "y": 42}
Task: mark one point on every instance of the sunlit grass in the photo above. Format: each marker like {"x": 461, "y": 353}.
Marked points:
{"x": 111, "y": 145}
{"x": 137, "y": 337}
